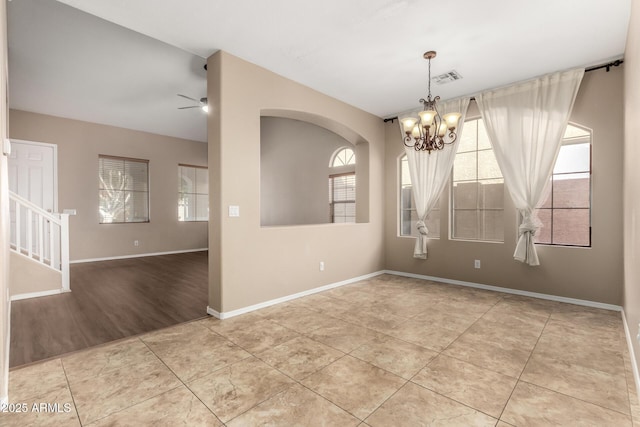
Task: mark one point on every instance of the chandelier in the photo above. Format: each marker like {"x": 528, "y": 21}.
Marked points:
{"x": 430, "y": 131}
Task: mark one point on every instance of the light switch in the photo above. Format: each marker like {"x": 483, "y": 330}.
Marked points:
{"x": 6, "y": 147}
{"x": 234, "y": 210}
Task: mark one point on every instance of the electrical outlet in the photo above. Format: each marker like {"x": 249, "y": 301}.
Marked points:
{"x": 321, "y": 265}
{"x": 136, "y": 243}
{"x": 476, "y": 264}
{"x": 234, "y": 211}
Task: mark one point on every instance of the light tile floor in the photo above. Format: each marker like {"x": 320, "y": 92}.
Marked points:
{"x": 389, "y": 351}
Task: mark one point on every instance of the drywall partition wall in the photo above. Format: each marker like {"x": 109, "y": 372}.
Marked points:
{"x": 248, "y": 263}
{"x": 79, "y": 144}
{"x": 27, "y": 276}
{"x": 593, "y": 274}
{"x": 632, "y": 177}
{"x": 294, "y": 170}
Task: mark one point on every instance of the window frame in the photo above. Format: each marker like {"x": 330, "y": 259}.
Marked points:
{"x": 148, "y": 192}
{"x": 402, "y": 159}
{"x": 184, "y": 165}
{"x": 572, "y": 141}
{"x": 335, "y": 155}
{"x": 477, "y": 180}
{"x": 332, "y": 202}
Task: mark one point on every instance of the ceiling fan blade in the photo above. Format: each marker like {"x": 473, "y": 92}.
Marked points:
{"x": 188, "y": 97}
{"x": 191, "y": 106}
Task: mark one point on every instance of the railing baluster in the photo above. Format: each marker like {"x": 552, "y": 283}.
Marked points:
{"x": 51, "y": 242}
{"x": 41, "y": 237}
{"x": 18, "y": 228}
{"x": 64, "y": 251}
{"x": 30, "y": 233}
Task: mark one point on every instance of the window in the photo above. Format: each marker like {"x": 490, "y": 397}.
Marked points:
{"x": 342, "y": 197}
{"x": 478, "y": 188}
{"x": 408, "y": 214}
{"x": 342, "y": 186}
{"x": 124, "y": 190}
{"x": 193, "y": 193}
{"x": 343, "y": 157}
{"x": 566, "y": 211}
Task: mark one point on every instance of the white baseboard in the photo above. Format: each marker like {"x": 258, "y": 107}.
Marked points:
{"x": 111, "y": 258}
{"x": 216, "y": 314}
{"x": 632, "y": 355}
{"x": 594, "y": 304}
{"x": 232, "y": 313}
{"x": 18, "y": 297}
{"x": 575, "y": 301}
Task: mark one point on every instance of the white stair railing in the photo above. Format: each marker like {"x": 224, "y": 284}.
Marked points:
{"x": 40, "y": 235}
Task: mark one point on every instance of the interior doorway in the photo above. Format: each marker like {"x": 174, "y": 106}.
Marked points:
{"x": 33, "y": 173}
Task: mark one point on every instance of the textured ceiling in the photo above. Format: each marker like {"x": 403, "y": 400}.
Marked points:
{"x": 367, "y": 53}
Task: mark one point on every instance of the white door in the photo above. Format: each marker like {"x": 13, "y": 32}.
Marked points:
{"x": 33, "y": 176}
{"x": 32, "y": 173}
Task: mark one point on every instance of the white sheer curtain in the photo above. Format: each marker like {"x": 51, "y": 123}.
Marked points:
{"x": 430, "y": 172}
{"x": 525, "y": 123}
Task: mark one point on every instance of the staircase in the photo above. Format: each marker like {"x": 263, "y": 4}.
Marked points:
{"x": 41, "y": 236}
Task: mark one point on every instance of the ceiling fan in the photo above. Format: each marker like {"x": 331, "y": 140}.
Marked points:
{"x": 201, "y": 103}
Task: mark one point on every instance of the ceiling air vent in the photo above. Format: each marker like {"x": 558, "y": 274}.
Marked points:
{"x": 447, "y": 77}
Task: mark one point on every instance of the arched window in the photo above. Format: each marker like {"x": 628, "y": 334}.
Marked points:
{"x": 566, "y": 212}
{"x": 342, "y": 186}
{"x": 343, "y": 157}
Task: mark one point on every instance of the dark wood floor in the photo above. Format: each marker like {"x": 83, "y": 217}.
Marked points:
{"x": 110, "y": 300}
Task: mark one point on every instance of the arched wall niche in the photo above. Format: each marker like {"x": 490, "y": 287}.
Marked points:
{"x": 295, "y": 149}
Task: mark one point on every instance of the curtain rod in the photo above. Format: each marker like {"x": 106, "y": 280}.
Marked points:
{"x": 608, "y": 66}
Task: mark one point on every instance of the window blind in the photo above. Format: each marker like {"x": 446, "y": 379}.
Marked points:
{"x": 123, "y": 190}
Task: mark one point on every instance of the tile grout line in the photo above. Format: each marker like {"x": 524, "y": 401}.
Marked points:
{"x": 556, "y": 391}
{"x": 438, "y": 352}
{"x": 577, "y": 398}
{"x": 179, "y": 379}
{"x": 444, "y": 355}
{"x": 255, "y": 356}
{"x": 454, "y": 400}
{"x": 73, "y": 399}
{"x": 142, "y": 401}
{"x": 344, "y": 354}
{"x": 524, "y": 367}
{"x": 299, "y": 382}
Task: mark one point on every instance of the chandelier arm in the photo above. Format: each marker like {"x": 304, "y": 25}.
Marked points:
{"x": 454, "y": 136}
{"x": 407, "y": 141}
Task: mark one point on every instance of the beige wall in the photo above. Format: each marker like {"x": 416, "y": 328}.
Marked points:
{"x": 632, "y": 177}
{"x": 28, "y": 276}
{"x": 593, "y": 274}
{"x": 79, "y": 144}
{"x": 294, "y": 170}
{"x": 249, "y": 264}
